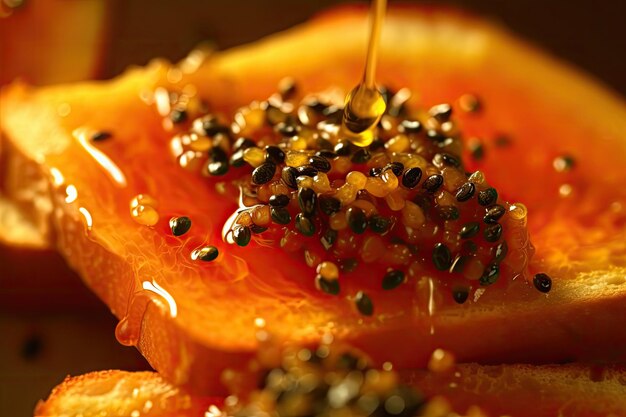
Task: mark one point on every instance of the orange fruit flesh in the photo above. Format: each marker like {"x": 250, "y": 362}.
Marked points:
{"x": 497, "y": 390}
{"x": 190, "y": 317}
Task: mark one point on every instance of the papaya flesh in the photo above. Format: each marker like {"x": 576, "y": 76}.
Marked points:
{"x": 516, "y": 390}
{"x": 192, "y": 321}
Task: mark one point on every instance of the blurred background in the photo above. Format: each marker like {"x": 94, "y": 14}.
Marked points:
{"x": 49, "y": 331}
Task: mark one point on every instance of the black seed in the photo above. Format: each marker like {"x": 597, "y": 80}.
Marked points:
{"x": 448, "y": 212}
{"x": 501, "y": 251}
{"x": 236, "y": 159}
{"x": 364, "y": 304}
{"x": 273, "y": 114}
{"x": 377, "y": 144}
{"x": 307, "y": 170}
{"x": 289, "y": 175}
{"x": 348, "y": 265}
{"x": 361, "y": 156}
{"x": 432, "y": 183}
{"x": 320, "y": 163}
{"x": 256, "y": 229}
{"x": 491, "y": 274}
{"x": 327, "y": 285}
{"x": 435, "y": 136}
{"x": 410, "y": 126}
{"x": 329, "y": 238}
{"x": 542, "y": 282}
{"x": 287, "y": 88}
{"x": 100, "y": 136}
{"x": 279, "y": 200}
{"x": 424, "y": 201}
{"x": 328, "y": 154}
{"x": 477, "y": 150}
{"x": 493, "y": 233}
{"x": 441, "y": 112}
{"x": 178, "y": 116}
{"x": 458, "y": 264}
{"x": 379, "y": 224}
{"x": 493, "y": 214}
{"x": 263, "y": 173}
{"x": 465, "y": 192}
{"x": 460, "y": 294}
{"x": 286, "y": 129}
{"x": 304, "y": 225}
{"x": 329, "y": 205}
{"x": 469, "y": 247}
{"x": 469, "y": 230}
{"x": 307, "y": 199}
{"x": 344, "y": 148}
{"x": 218, "y": 168}
{"x": 242, "y": 235}
{"x": 243, "y": 143}
{"x": 442, "y": 258}
{"x": 211, "y": 126}
{"x": 375, "y": 172}
{"x": 392, "y": 279}
{"x": 31, "y": 347}
{"x": 280, "y": 215}
{"x": 441, "y": 160}
{"x": 357, "y": 220}
{"x": 487, "y": 197}
{"x": 180, "y": 225}
{"x": 205, "y": 254}
{"x": 395, "y": 167}
{"x": 217, "y": 154}
{"x": 411, "y": 177}
{"x": 316, "y": 105}
{"x": 325, "y": 145}
{"x": 274, "y": 154}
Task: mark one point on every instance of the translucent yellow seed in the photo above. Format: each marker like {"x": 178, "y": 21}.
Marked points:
{"x": 389, "y": 179}
{"x": 477, "y": 177}
{"x": 398, "y": 143}
{"x": 444, "y": 198}
{"x": 372, "y": 249}
{"x": 341, "y": 164}
{"x": 452, "y": 179}
{"x": 413, "y": 215}
{"x": 278, "y": 187}
{"x": 244, "y": 219}
{"x": 145, "y": 200}
{"x": 261, "y": 215}
{"x": 298, "y": 143}
{"x": 395, "y": 200}
{"x": 346, "y": 194}
{"x": 199, "y": 143}
{"x": 192, "y": 161}
{"x": 474, "y": 269}
{"x": 366, "y": 206}
{"x": 296, "y": 159}
{"x": 328, "y": 270}
{"x": 252, "y": 118}
{"x": 337, "y": 221}
{"x": 254, "y": 156}
{"x": 518, "y": 211}
{"x": 311, "y": 258}
{"x": 415, "y": 161}
{"x": 291, "y": 241}
{"x": 396, "y": 255}
{"x": 356, "y": 178}
{"x": 376, "y": 187}
{"x": 145, "y": 215}
{"x": 264, "y": 193}
{"x": 304, "y": 181}
{"x": 379, "y": 160}
{"x": 321, "y": 183}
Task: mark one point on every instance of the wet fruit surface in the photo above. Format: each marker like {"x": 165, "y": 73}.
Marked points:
{"x": 576, "y": 217}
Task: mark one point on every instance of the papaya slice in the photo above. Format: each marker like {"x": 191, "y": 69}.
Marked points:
{"x": 516, "y": 390}
{"x": 192, "y": 319}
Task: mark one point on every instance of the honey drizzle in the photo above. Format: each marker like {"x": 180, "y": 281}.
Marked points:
{"x": 365, "y": 104}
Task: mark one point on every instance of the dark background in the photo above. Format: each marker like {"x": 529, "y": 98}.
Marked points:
{"x": 590, "y": 34}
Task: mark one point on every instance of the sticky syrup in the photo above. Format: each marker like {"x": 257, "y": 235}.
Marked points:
{"x": 365, "y": 104}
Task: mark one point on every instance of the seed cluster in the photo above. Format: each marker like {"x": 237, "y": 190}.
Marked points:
{"x": 322, "y": 383}
{"x": 404, "y": 204}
